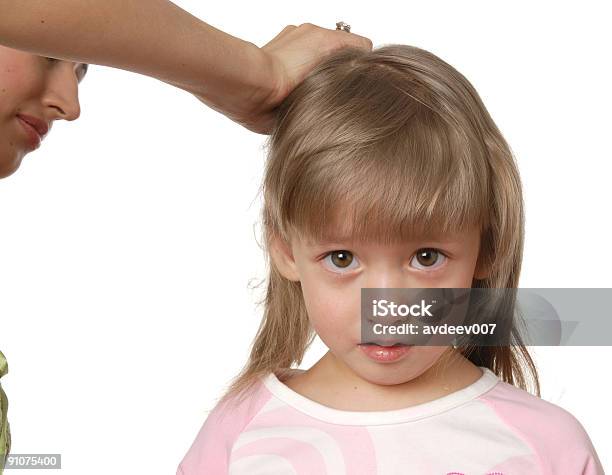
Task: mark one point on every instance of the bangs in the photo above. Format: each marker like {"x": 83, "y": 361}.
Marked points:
{"x": 418, "y": 182}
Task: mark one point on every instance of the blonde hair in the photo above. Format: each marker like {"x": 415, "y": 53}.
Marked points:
{"x": 386, "y": 145}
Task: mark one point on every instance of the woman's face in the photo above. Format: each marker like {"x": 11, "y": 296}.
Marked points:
{"x": 34, "y": 92}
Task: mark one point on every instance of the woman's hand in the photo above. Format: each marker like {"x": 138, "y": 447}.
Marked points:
{"x": 288, "y": 57}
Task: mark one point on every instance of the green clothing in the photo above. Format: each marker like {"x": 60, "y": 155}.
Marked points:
{"x": 5, "y": 432}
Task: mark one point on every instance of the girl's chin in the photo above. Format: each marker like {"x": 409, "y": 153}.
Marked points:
{"x": 385, "y": 378}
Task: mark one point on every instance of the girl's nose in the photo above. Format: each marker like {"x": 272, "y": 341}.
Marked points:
{"x": 387, "y": 277}
{"x": 61, "y": 96}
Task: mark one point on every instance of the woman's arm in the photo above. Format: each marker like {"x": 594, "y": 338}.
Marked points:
{"x": 159, "y": 39}
{"x": 152, "y": 37}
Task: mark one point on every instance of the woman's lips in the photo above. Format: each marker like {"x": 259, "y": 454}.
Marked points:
{"x": 40, "y": 125}
{"x": 33, "y": 137}
{"x": 385, "y": 354}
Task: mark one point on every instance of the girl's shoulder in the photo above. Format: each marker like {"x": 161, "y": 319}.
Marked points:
{"x": 212, "y": 446}
{"x": 521, "y": 408}
{"x": 552, "y": 432}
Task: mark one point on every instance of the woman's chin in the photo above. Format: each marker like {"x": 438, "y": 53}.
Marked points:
{"x": 10, "y": 164}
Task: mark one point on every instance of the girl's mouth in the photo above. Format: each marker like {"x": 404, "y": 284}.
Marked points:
{"x": 386, "y": 346}
{"x": 387, "y": 353}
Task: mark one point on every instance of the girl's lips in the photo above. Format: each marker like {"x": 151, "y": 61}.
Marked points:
{"x": 385, "y": 354}
{"x": 33, "y": 137}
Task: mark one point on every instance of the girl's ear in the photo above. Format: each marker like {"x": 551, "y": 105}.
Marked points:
{"x": 282, "y": 256}
{"x": 482, "y": 269}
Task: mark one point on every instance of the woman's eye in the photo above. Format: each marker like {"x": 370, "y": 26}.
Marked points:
{"x": 427, "y": 258}
{"x": 340, "y": 260}
{"x": 82, "y": 71}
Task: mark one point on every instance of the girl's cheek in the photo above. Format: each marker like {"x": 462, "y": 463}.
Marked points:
{"x": 335, "y": 319}
{"x": 333, "y": 307}
{"x": 321, "y": 305}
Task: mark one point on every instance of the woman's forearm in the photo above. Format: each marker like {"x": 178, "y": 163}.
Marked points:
{"x": 152, "y": 37}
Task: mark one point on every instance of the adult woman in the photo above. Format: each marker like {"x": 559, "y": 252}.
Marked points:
{"x": 233, "y": 76}
{"x": 34, "y": 92}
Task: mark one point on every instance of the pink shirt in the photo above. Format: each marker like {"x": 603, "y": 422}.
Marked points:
{"x": 487, "y": 428}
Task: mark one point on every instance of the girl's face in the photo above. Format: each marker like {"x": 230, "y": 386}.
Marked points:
{"x": 331, "y": 276}
{"x": 34, "y": 91}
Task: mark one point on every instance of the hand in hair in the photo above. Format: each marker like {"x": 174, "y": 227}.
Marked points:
{"x": 293, "y": 53}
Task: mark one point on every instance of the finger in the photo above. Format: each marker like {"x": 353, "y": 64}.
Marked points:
{"x": 365, "y": 42}
{"x": 356, "y": 40}
{"x": 283, "y": 32}
{"x": 346, "y": 37}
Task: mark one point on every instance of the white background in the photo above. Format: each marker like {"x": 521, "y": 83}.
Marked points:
{"x": 128, "y": 240}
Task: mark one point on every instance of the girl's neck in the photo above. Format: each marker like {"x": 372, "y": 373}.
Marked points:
{"x": 331, "y": 383}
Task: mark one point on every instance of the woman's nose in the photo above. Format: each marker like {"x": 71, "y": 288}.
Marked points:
{"x": 62, "y": 94}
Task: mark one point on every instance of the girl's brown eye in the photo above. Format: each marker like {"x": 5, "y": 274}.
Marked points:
{"x": 341, "y": 259}
{"x": 427, "y": 257}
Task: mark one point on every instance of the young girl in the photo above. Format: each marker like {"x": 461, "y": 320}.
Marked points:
{"x": 386, "y": 170}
